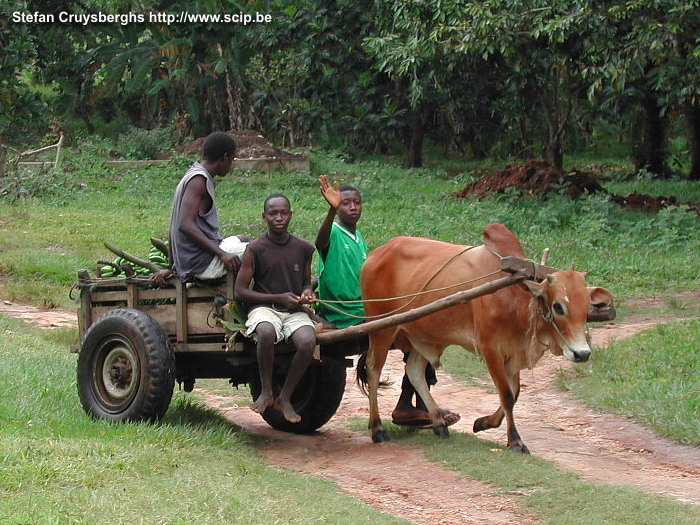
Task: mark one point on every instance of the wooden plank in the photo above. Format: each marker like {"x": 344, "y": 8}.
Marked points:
{"x": 132, "y": 296}
{"x": 84, "y": 312}
{"x": 422, "y": 311}
{"x": 181, "y": 311}
{"x": 144, "y": 293}
{"x": 198, "y": 319}
{"x": 201, "y": 347}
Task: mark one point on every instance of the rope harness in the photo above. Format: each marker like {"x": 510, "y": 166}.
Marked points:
{"x": 412, "y": 296}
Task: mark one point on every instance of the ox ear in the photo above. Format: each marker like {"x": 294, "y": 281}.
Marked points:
{"x": 600, "y": 296}
{"x": 536, "y": 289}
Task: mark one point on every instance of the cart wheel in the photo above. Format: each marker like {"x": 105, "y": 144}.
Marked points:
{"x": 126, "y": 370}
{"x": 315, "y": 399}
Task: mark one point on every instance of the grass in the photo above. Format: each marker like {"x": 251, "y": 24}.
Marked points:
{"x": 45, "y": 238}
{"x": 59, "y": 466}
{"x": 558, "y": 498}
{"x": 195, "y": 467}
{"x": 651, "y": 377}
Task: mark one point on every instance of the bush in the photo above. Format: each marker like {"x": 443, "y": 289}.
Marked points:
{"x": 140, "y": 144}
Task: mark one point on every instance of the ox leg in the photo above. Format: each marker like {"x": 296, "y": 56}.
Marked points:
{"x": 376, "y": 357}
{"x": 415, "y": 370}
{"x": 508, "y": 386}
{"x": 495, "y": 419}
{"x": 514, "y": 441}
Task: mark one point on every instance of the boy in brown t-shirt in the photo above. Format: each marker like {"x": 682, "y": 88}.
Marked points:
{"x": 279, "y": 265}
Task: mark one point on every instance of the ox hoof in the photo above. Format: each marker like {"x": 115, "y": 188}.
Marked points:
{"x": 441, "y": 431}
{"x": 520, "y": 448}
{"x": 381, "y": 436}
{"x": 480, "y": 424}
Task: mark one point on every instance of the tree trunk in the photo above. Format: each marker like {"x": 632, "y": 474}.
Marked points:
{"x": 556, "y": 118}
{"x": 692, "y": 130}
{"x": 650, "y": 146}
{"x": 555, "y": 152}
{"x": 3, "y": 153}
{"x": 415, "y": 142}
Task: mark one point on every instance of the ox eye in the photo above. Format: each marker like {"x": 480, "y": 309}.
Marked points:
{"x": 558, "y": 308}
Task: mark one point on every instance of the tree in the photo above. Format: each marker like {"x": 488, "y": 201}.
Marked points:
{"x": 19, "y": 108}
{"x": 653, "y": 56}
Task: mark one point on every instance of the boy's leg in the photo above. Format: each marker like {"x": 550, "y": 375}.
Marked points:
{"x": 304, "y": 339}
{"x": 266, "y": 336}
{"x": 216, "y": 269}
{"x": 407, "y": 414}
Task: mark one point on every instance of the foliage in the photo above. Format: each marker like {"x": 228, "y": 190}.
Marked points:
{"x": 145, "y": 144}
{"x": 20, "y": 108}
{"x": 504, "y": 77}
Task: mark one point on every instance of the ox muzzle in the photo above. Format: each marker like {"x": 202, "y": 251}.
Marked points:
{"x": 577, "y": 353}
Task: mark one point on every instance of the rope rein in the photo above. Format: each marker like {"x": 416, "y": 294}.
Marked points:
{"x": 412, "y": 296}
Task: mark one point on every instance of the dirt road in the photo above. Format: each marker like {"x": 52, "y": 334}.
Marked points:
{"x": 603, "y": 448}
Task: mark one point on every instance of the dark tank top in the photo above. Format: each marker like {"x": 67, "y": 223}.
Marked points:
{"x": 189, "y": 257}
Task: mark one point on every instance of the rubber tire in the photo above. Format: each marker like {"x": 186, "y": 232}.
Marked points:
{"x": 316, "y": 398}
{"x": 133, "y": 337}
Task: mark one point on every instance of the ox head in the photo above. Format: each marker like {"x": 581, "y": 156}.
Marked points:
{"x": 564, "y": 302}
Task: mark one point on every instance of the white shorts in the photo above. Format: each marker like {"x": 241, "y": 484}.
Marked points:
{"x": 285, "y": 323}
{"x": 216, "y": 268}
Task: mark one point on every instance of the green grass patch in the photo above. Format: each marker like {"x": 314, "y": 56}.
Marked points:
{"x": 57, "y": 465}
{"x": 559, "y": 498}
{"x": 466, "y": 366}
{"x": 651, "y": 377}
{"x": 45, "y": 238}
{"x": 685, "y": 191}
{"x": 555, "y": 496}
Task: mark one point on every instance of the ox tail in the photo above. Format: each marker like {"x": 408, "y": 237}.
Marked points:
{"x": 361, "y": 375}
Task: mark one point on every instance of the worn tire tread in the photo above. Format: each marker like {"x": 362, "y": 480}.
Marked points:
{"x": 153, "y": 401}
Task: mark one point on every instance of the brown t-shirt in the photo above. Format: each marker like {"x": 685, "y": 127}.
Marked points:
{"x": 279, "y": 268}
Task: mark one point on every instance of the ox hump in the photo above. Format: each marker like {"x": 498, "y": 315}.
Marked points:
{"x": 502, "y": 241}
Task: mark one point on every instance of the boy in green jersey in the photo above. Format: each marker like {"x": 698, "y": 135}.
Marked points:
{"x": 342, "y": 252}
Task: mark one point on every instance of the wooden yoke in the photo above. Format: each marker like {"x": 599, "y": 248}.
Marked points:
{"x": 596, "y": 313}
{"x": 534, "y": 271}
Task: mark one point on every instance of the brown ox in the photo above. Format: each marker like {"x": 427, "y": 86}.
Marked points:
{"x": 511, "y": 328}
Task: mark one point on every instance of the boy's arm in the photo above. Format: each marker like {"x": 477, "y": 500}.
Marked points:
{"x": 332, "y": 195}
{"x": 308, "y": 296}
{"x": 244, "y": 294}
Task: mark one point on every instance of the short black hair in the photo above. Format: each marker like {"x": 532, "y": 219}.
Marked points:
{"x": 217, "y": 145}
{"x": 347, "y": 187}
{"x": 276, "y": 196}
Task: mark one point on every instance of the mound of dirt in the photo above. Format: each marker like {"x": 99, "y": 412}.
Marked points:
{"x": 250, "y": 145}
{"x": 642, "y": 201}
{"x": 539, "y": 178}
{"x": 534, "y": 177}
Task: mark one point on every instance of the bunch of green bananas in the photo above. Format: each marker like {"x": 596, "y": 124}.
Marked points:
{"x": 158, "y": 257}
{"x": 155, "y": 255}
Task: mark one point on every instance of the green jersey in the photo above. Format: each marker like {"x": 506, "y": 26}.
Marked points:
{"x": 339, "y": 276}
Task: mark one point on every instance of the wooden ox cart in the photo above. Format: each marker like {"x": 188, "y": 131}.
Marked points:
{"x": 137, "y": 340}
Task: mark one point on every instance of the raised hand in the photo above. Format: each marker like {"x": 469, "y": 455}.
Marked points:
{"x": 330, "y": 192}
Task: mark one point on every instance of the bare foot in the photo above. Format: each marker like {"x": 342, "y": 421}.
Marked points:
{"x": 285, "y": 408}
{"x": 263, "y": 401}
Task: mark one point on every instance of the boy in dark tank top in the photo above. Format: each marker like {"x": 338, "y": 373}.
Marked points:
{"x": 279, "y": 266}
